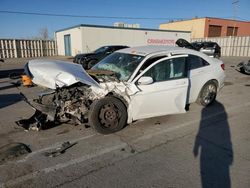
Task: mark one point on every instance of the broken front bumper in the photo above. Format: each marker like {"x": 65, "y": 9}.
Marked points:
{"x": 43, "y": 114}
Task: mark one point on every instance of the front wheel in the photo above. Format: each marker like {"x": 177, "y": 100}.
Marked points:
{"x": 207, "y": 94}
{"x": 108, "y": 115}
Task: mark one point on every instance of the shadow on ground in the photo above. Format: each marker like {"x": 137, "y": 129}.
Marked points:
{"x": 213, "y": 143}
{"x": 10, "y": 72}
{"x": 9, "y": 99}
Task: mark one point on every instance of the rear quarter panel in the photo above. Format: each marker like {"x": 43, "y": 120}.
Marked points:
{"x": 199, "y": 77}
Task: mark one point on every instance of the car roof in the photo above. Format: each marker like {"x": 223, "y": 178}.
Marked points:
{"x": 151, "y": 49}
{"x": 156, "y": 50}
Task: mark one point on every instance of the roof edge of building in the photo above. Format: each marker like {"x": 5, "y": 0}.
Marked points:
{"x": 205, "y": 18}
{"x": 183, "y": 20}
{"x": 227, "y": 19}
{"x": 123, "y": 28}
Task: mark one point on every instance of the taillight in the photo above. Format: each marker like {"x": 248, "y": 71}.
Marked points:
{"x": 222, "y": 66}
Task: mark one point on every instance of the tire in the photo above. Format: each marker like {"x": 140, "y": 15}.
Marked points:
{"x": 207, "y": 94}
{"x": 108, "y": 115}
{"x": 91, "y": 63}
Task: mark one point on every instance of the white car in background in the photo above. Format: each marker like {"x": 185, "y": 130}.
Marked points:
{"x": 130, "y": 84}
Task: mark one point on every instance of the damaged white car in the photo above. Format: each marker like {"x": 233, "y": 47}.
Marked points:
{"x": 128, "y": 85}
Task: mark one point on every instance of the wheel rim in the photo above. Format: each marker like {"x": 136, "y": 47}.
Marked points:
{"x": 209, "y": 93}
{"x": 109, "y": 116}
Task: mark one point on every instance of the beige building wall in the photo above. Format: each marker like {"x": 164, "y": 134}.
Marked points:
{"x": 75, "y": 39}
{"x": 196, "y": 26}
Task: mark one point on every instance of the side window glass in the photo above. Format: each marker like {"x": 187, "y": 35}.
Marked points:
{"x": 179, "y": 67}
{"x": 148, "y": 63}
{"x": 195, "y": 62}
{"x": 167, "y": 70}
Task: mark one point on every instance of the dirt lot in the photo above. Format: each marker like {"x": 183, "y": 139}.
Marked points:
{"x": 208, "y": 146}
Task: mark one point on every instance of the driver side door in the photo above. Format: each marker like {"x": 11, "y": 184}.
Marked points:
{"x": 168, "y": 92}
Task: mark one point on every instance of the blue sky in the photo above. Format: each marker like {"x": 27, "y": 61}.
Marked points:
{"x": 22, "y": 26}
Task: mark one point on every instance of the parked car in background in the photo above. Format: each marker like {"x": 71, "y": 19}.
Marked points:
{"x": 128, "y": 85}
{"x": 88, "y": 60}
{"x": 211, "y": 49}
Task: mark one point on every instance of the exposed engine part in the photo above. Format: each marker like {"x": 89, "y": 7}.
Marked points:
{"x": 35, "y": 122}
{"x": 72, "y": 104}
{"x": 67, "y": 104}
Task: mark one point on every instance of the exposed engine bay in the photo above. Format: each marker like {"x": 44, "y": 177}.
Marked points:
{"x": 67, "y": 104}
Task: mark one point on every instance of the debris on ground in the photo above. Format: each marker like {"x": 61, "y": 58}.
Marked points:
{"x": 12, "y": 151}
{"x": 228, "y": 83}
{"x": 60, "y": 150}
{"x": 132, "y": 150}
{"x": 157, "y": 123}
{"x": 16, "y": 83}
{"x": 244, "y": 67}
{"x": 35, "y": 122}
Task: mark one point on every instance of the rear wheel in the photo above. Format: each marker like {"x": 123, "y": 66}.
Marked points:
{"x": 108, "y": 115}
{"x": 208, "y": 94}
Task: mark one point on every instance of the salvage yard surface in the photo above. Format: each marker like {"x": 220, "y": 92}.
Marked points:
{"x": 206, "y": 147}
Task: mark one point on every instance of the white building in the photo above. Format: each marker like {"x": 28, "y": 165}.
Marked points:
{"x": 87, "y": 38}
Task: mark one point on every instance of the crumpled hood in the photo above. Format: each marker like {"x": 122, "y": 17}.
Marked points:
{"x": 55, "y": 73}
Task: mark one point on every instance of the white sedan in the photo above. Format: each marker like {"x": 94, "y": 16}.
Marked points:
{"x": 130, "y": 84}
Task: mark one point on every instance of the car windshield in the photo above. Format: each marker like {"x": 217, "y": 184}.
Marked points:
{"x": 101, "y": 50}
{"x": 123, "y": 65}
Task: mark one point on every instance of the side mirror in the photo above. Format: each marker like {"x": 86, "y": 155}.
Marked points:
{"x": 145, "y": 80}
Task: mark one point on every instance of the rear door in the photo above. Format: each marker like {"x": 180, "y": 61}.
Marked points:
{"x": 168, "y": 92}
{"x": 199, "y": 74}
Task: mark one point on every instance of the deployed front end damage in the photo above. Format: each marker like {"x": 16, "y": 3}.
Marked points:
{"x": 69, "y": 97}
{"x": 67, "y": 104}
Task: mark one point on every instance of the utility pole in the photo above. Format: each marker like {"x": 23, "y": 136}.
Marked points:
{"x": 235, "y": 3}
